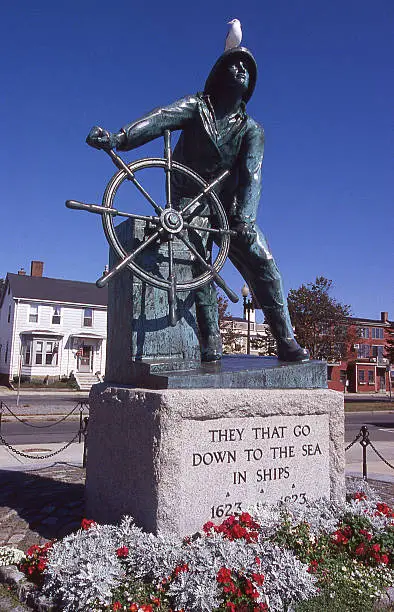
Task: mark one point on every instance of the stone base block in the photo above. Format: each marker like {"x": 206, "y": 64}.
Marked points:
{"x": 176, "y": 458}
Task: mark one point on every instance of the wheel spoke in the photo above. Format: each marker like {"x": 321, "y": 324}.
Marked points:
{"x": 103, "y": 210}
{"x": 216, "y": 276}
{"x": 119, "y": 163}
{"x": 172, "y": 288}
{"x": 168, "y": 168}
{"x": 210, "y": 230}
{"x": 205, "y": 191}
{"x": 104, "y": 280}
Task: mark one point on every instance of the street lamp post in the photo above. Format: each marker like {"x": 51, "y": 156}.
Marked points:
{"x": 248, "y": 307}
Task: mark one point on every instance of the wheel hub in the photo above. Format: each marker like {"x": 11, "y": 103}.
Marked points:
{"x": 172, "y": 221}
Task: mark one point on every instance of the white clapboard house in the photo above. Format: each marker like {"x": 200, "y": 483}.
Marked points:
{"x": 51, "y": 328}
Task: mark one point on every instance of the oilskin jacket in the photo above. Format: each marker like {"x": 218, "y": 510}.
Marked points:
{"x": 208, "y": 150}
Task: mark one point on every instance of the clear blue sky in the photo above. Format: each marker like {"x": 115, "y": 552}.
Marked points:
{"x": 324, "y": 94}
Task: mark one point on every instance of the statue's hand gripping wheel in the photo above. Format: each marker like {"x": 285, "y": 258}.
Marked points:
{"x": 170, "y": 224}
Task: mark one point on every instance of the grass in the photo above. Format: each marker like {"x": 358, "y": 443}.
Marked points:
{"x": 371, "y": 406}
{"x": 9, "y": 600}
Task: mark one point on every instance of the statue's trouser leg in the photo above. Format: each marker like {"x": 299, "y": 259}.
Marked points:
{"x": 257, "y": 266}
{"x": 206, "y": 300}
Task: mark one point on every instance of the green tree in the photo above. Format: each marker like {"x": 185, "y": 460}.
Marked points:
{"x": 320, "y": 321}
{"x": 389, "y": 347}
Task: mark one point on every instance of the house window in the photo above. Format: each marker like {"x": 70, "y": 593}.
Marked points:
{"x": 56, "y": 315}
{"x": 364, "y": 332}
{"x": 329, "y": 372}
{"x": 377, "y": 351}
{"x": 26, "y": 353}
{"x": 361, "y": 377}
{"x": 33, "y": 314}
{"x": 9, "y": 313}
{"x": 45, "y": 352}
{"x": 51, "y": 353}
{"x": 342, "y": 376}
{"x": 370, "y": 377}
{"x": 378, "y": 333}
{"x": 88, "y": 317}
{"x": 363, "y": 351}
{"x": 38, "y": 351}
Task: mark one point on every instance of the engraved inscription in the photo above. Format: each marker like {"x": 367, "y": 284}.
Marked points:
{"x": 231, "y": 464}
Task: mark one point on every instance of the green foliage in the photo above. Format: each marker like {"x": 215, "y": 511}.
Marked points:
{"x": 320, "y": 320}
{"x": 389, "y": 348}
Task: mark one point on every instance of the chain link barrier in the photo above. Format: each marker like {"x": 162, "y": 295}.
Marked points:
{"x": 22, "y": 454}
{"x": 81, "y": 433}
{"x": 380, "y": 456}
{"x": 363, "y": 439}
{"x": 82, "y": 404}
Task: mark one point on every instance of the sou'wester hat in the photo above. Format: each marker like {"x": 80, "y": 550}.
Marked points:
{"x": 231, "y": 55}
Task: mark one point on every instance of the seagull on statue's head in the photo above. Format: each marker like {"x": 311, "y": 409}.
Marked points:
{"x": 234, "y": 35}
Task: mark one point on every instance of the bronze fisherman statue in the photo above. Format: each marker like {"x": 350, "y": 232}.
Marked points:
{"x": 217, "y": 134}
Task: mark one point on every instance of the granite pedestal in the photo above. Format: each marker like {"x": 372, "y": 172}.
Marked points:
{"x": 176, "y": 443}
{"x": 176, "y": 458}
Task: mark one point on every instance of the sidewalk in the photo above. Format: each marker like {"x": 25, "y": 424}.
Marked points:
{"x": 376, "y": 468}
{"x": 9, "y": 460}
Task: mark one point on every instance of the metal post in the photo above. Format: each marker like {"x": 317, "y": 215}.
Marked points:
{"x": 80, "y": 423}
{"x": 248, "y": 337}
{"x": 1, "y": 413}
{"x": 85, "y": 441}
{"x": 364, "y": 443}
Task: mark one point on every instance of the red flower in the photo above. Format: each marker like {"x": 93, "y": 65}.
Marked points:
{"x": 359, "y": 496}
{"x": 224, "y": 575}
{"x": 250, "y": 590}
{"x": 207, "y": 527}
{"x": 117, "y": 605}
{"x": 257, "y": 560}
{"x": 258, "y": 578}
{"x": 87, "y": 524}
{"x": 181, "y": 568}
{"x": 360, "y": 550}
{"x": 147, "y": 608}
{"x": 366, "y": 534}
{"x": 383, "y": 508}
{"x": 134, "y": 607}
{"x": 376, "y": 547}
{"x": 122, "y": 552}
{"x": 230, "y": 606}
{"x": 313, "y": 567}
{"x": 246, "y": 518}
{"x": 384, "y": 559}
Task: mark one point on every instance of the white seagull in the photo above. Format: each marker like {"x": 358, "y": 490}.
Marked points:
{"x": 234, "y": 35}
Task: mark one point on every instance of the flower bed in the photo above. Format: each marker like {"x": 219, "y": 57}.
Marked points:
{"x": 316, "y": 556}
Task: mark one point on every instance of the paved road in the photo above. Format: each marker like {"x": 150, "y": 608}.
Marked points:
{"x": 42, "y": 403}
{"x": 380, "y": 426}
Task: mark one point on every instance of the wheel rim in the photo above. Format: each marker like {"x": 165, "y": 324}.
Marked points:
{"x": 212, "y": 198}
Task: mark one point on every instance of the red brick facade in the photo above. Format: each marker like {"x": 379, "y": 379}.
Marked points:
{"x": 366, "y": 370}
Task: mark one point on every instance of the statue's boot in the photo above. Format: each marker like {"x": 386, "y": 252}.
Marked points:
{"x": 270, "y": 297}
{"x": 208, "y": 324}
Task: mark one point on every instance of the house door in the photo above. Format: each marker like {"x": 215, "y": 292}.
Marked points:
{"x": 85, "y": 359}
{"x": 382, "y": 383}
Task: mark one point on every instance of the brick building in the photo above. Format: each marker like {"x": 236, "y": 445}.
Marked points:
{"x": 366, "y": 370}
